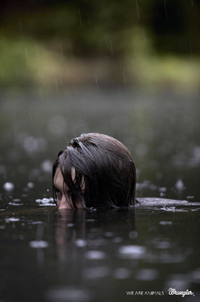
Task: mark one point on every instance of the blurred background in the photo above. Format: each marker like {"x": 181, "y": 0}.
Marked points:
{"x": 60, "y": 43}
{"x": 128, "y": 69}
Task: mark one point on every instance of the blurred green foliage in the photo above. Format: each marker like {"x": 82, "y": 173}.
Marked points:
{"x": 88, "y": 27}
{"x": 67, "y": 32}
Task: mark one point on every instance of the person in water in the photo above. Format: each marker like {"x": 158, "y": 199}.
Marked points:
{"x": 94, "y": 170}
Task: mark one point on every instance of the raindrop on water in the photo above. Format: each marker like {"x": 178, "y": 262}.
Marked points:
{"x": 95, "y": 255}
{"x": 30, "y": 185}
{"x": 8, "y": 186}
{"x": 131, "y": 251}
{"x": 38, "y": 244}
{"x": 179, "y": 185}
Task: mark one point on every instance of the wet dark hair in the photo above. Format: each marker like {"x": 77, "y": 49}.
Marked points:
{"x": 105, "y": 174}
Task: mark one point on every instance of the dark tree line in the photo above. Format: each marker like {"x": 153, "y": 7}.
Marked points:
{"x": 100, "y": 27}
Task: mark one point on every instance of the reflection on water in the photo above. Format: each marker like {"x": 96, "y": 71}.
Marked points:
{"x": 97, "y": 255}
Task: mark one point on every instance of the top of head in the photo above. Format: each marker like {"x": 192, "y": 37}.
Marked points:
{"x": 107, "y": 167}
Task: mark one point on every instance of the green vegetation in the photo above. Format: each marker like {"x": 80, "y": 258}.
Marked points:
{"x": 58, "y": 43}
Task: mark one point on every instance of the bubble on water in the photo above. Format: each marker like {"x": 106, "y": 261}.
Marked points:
{"x": 45, "y": 200}
{"x": 179, "y": 185}
{"x": 47, "y": 166}
{"x": 162, "y": 189}
{"x": 122, "y": 273}
{"x": 95, "y": 255}
{"x": 8, "y": 186}
{"x": 146, "y": 274}
{"x": 132, "y": 251}
{"x": 80, "y": 243}
{"x": 38, "y": 244}
{"x": 96, "y": 272}
{"x": 68, "y": 294}
{"x": 30, "y": 185}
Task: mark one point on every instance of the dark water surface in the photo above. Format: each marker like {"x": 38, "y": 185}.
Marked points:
{"x": 80, "y": 255}
{"x": 99, "y": 255}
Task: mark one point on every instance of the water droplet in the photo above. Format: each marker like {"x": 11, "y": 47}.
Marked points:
{"x": 179, "y": 185}
{"x": 47, "y": 166}
{"x": 131, "y": 251}
{"x": 80, "y": 243}
{"x": 13, "y": 219}
{"x": 30, "y": 185}
{"x": 38, "y": 244}
{"x": 95, "y": 255}
{"x": 8, "y": 186}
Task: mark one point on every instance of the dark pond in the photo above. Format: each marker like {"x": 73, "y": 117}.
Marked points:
{"x": 95, "y": 255}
